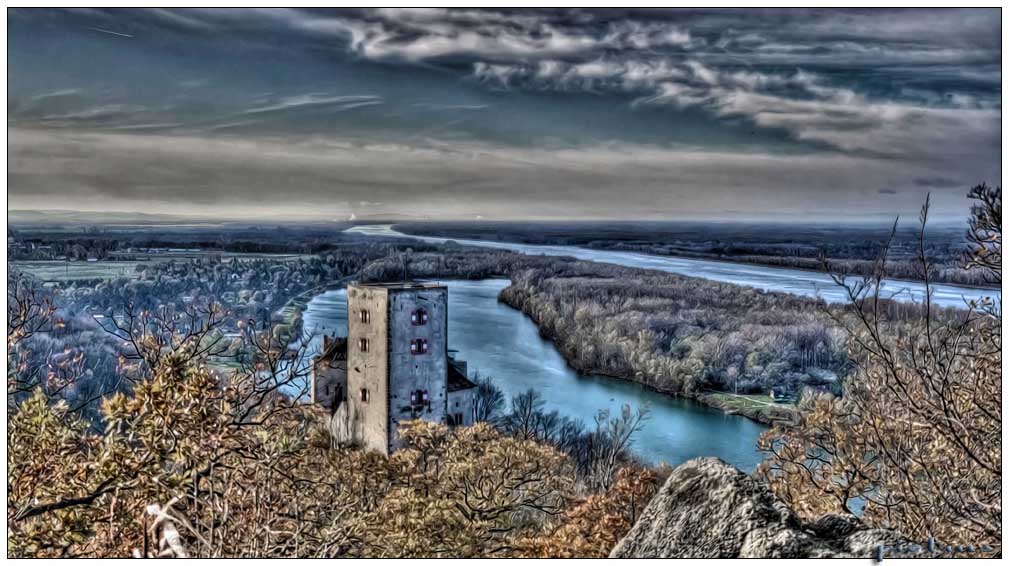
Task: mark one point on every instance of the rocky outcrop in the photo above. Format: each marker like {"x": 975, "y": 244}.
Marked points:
{"x": 708, "y": 509}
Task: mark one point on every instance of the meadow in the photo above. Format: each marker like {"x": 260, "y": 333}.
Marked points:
{"x": 65, "y": 271}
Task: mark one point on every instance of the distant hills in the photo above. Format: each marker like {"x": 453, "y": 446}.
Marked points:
{"x": 64, "y": 217}
{"x": 53, "y": 218}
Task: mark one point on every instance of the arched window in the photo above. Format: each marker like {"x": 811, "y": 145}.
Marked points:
{"x": 364, "y": 316}
{"x": 363, "y": 343}
{"x": 419, "y": 317}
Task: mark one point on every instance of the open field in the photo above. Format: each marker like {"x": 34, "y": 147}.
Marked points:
{"x": 760, "y": 408}
{"x": 78, "y": 270}
{"x": 55, "y": 270}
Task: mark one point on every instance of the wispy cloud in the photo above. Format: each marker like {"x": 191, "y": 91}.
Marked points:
{"x": 727, "y": 73}
{"x": 337, "y": 103}
{"x": 91, "y": 113}
{"x": 110, "y": 32}
{"x": 802, "y": 103}
{"x": 55, "y": 94}
{"x": 435, "y": 106}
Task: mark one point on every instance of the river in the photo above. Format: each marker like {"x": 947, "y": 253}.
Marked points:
{"x": 794, "y": 281}
{"x": 503, "y": 343}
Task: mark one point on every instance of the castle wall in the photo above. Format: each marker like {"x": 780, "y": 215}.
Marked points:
{"x": 460, "y": 403}
{"x": 329, "y": 380}
{"x": 411, "y": 372}
{"x": 368, "y": 371}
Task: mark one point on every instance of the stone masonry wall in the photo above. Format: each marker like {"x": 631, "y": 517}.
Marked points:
{"x": 368, "y": 371}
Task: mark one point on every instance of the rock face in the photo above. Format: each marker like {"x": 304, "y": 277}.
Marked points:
{"x": 708, "y": 509}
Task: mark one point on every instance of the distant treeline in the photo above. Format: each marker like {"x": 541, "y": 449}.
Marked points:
{"x": 850, "y": 249}
{"x": 121, "y": 244}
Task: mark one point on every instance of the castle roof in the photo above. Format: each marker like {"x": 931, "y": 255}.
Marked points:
{"x": 334, "y": 348}
{"x": 400, "y": 285}
{"x": 457, "y": 380}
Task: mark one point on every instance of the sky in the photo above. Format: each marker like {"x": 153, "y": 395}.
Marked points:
{"x": 503, "y": 114}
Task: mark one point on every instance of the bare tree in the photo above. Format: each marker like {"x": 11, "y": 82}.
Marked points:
{"x": 489, "y": 401}
{"x": 30, "y": 312}
{"x": 611, "y": 443}
{"x": 272, "y": 372}
{"x": 985, "y": 232}
{"x": 166, "y": 334}
{"x": 916, "y": 438}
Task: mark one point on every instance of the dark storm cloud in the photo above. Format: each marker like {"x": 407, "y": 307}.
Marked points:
{"x": 503, "y": 112}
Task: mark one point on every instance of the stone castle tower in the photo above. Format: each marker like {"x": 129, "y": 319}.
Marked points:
{"x": 393, "y": 366}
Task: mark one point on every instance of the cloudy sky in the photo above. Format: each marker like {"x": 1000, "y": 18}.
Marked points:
{"x": 651, "y": 114}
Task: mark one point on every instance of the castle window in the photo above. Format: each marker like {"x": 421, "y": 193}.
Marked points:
{"x": 364, "y": 316}
{"x": 419, "y": 317}
{"x": 363, "y": 343}
{"x": 420, "y": 397}
{"x": 365, "y": 395}
{"x": 418, "y": 346}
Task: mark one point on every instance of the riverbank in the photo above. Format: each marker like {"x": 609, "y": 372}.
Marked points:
{"x": 742, "y": 405}
{"x": 748, "y": 406}
{"x": 292, "y": 311}
{"x": 730, "y": 404}
{"x": 656, "y": 331}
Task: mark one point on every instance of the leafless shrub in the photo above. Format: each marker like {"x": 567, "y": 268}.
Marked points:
{"x": 916, "y": 438}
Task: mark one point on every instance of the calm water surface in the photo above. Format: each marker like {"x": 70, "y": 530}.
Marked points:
{"x": 501, "y": 342}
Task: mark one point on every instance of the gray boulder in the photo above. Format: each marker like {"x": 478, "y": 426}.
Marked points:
{"x": 708, "y": 509}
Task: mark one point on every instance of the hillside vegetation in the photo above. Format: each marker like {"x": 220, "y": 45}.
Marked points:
{"x": 915, "y": 442}
{"x": 186, "y": 461}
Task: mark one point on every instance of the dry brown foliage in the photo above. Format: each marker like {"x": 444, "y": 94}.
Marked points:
{"x": 225, "y": 487}
{"x": 593, "y": 526}
{"x": 917, "y": 436}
